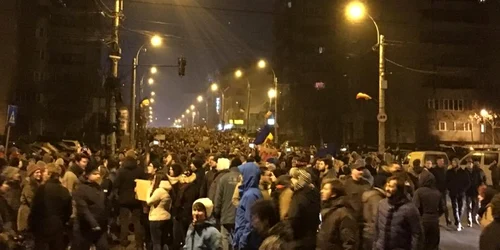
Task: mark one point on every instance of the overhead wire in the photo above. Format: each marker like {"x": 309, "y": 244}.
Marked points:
{"x": 430, "y": 72}
{"x": 204, "y": 7}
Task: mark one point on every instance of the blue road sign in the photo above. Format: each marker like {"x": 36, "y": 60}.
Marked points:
{"x": 11, "y": 114}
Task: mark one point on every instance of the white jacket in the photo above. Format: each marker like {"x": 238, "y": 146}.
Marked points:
{"x": 158, "y": 203}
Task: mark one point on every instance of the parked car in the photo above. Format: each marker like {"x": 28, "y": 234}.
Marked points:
{"x": 424, "y": 156}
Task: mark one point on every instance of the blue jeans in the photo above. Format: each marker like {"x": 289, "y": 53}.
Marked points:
{"x": 161, "y": 234}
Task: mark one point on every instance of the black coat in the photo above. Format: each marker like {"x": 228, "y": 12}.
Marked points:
{"x": 50, "y": 210}
{"x": 428, "y": 200}
{"x": 355, "y": 190}
{"x": 489, "y": 239}
{"x": 90, "y": 206}
{"x": 477, "y": 178}
{"x": 457, "y": 181}
{"x": 440, "y": 175}
{"x": 188, "y": 193}
{"x": 339, "y": 229}
{"x": 125, "y": 182}
{"x": 303, "y": 216}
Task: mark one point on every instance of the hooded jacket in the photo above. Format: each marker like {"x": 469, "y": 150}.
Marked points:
{"x": 222, "y": 169}
{"x": 355, "y": 190}
{"x": 428, "y": 200}
{"x": 204, "y": 235}
{"x": 224, "y": 207}
{"x": 339, "y": 229}
{"x": 71, "y": 178}
{"x": 489, "y": 239}
{"x": 160, "y": 202}
{"x": 371, "y": 199}
{"x": 249, "y": 193}
{"x": 125, "y": 182}
{"x": 457, "y": 181}
{"x": 90, "y": 206}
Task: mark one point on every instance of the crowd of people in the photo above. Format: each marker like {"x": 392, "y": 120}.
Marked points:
{"x": 210, "y": 190}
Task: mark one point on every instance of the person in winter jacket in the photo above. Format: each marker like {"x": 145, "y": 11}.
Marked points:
{"x": 355, "y": 186}
{"x": 50, "y": 211}
{"x": 160, "y": 202}
{"x": 71, "y": 178}
{"x": 477, "y": 178}
{"x": 282, "y": 195}
{"x": 397, "y": 225}
{"x": 188, "y": 193}
{"x": 130, "y": 207}
{"x": 486, "y": 194}
{"x": 91, "y": 222}
{"x": 489, "y": 239}
{"x": 371, "y": 199}
{"x": 303, "y": 214}
{"x": 202, "y": 233}
{"x": 174, "y": 171}
{"x": 34, "y": 180}
{"x": 12, "y": 177}
{"x": 222, "y": 168}
{"x": 264, "y": 217}
{"x": 339, "y": 229}
{"x": 326, "y": 169}
{"x": 439, "y": 172}
{"x": 427, "y": 200}
{"x": 212, "y": 170}
{"x": 249, "y": 192}
{"x": 457, "y": 182}
{"x": 224, "y": 210}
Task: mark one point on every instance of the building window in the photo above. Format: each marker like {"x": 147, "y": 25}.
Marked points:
{"x": 321, "y": 49}
{"x": 468, "y": 126}
{"x": 449, "y": 104}
{"x": 442, "y": 126}
{"x": 289, "y": 4}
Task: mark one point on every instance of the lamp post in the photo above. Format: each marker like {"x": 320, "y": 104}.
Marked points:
{"x": 356, "y": 11}
{"x": 263, "y": 64}
{"x": 215, "y": 87}
{"x": 155, "y": 42}
{"x": 238, "y": 74}
{"x": 486, "y": 116}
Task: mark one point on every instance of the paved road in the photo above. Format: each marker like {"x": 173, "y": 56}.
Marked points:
{"x": 466, "y": 239}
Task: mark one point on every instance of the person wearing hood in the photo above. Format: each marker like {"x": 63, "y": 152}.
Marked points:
{"x": 428, "y": 201}
{"x": 371, "y": 199}
{"x": 224, "y": 210}
{"x": 486, "y": 194}
{"x": 249, "y": 193}
{"x": 397, "y": 225}
{"x": 477, "y": 178}
{"x": 489, "y": 240}
{"x": 222, "y": 168}
{"x": 12, "y": 177}
{"x": 50, "y": 211}
{"x": 303, "y": 214}
{"x": 34, "y": 180}
{"x": 202, "y": 233}
{"x": 457, "y": 182}
{"x": 130, "y": 207}
{"x": 199, "y": 178}
{"x": 91, "y": 215}
{"x": 339, "y": 229}
{"x": 72, "y": 177}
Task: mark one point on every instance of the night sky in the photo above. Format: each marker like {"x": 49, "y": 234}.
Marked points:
{"x": 211, "y": 34}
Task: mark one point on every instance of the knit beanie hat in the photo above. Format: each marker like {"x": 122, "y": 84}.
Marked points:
{"x": 53, "y": 169}
{"x": 60, "y": 162}
{"x": 32, "y": 168}
{"x": 303, "y": 178}
{"x": 207, "y": 203}
{"x": 9, "y": 172}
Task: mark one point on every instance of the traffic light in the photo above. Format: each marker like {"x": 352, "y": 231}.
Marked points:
{"x": 182, "y": 66}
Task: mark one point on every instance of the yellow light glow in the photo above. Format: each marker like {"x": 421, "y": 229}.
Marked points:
{"x": 238, "y": 73}
{"x": 156, "y": 41}
{"x": 483, "y": 112}
{"x": 199, "y": 98}
{"x": 355, "y": 11}
{"x": 271, "y": 93}
{"x": 214, "y": 87}
{"x": 192, "y": 107}
{"x": 261, "y": 64}
{"x": 153, "y": 93}
{"x": 151, "y": 81}
{"x": 153, "y": 70}
{"x": 152, "y": 100}
{"x": 182, "y": 116}
{"x": 188, "y": 111}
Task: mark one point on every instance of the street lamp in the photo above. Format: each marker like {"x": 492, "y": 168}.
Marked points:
{"x": 153, "y": 93}
{"x": 271, "y": 94}
{"x": 151, "y": 81}
{"x": 152, "y": 100}
{"x": 214, "y": 87}
{"x": 192, "y": 107}
{"x": 199, "y": 98}
{"x": 486, "y": 116}
{"x": 155, "y": 41}
{"x": 263, "y": 64}
{"x": 153, "y": 70}
{"x": 356, "y": 11}
{"x": 238, "y": 74}
{"x": 187, "y": 111}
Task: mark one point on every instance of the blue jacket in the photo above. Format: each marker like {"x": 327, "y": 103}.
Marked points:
{"x": 203, "y": 236}
{"x": 249, "y": 193}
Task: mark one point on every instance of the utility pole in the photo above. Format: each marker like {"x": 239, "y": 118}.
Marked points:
{"x": 133, "y": 102}
{"x": 115, "y": 55}
{"x": 382, "y": 84}
{"x": 248, "y": 105}
{"x": 276, "y": 109}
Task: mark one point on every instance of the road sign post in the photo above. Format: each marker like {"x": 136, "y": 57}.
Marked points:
{"x": 11, "y": 121}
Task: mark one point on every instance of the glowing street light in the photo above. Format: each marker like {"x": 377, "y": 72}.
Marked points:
{"x": 199, "y": 98}
{"x": 261, "y": 64}
{"x": 150, "y": 108}
{"x": 187, "y": 111}
{"x": 355, "y": 11}
{"x": 484, "y": 113}
{"x": 151, "y": 112}
{"x": 153, "y": 93}
{"x": 152, "y": 100}
{"x": 192, "y": 107}
{"x": 151, "y": 81}
{"x": 238, "y": 73}
{"x": 214, "y": 87}
{"x": 153, "y": 70}
{"x": 156, "y": 41}
{"x": 183, "y": 116}
{"x": 271, "y": 93}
